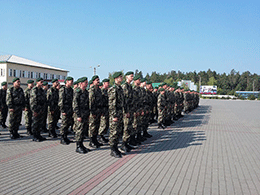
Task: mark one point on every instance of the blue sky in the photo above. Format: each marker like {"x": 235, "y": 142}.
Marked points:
{"x": 127, "y": 35}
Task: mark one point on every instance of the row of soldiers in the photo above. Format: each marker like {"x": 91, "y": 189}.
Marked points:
{"x": 126, "y": 110}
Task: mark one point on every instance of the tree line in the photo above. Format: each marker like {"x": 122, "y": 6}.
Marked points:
{"x": 227, "y": 84}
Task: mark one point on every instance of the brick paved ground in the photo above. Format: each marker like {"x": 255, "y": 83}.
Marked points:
{"x": 213, "y": 150}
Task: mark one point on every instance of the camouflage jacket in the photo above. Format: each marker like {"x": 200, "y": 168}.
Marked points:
{"x": 95, "y": 100}
{"x": 162, "y": 102}
{"x": 81, "y": 103}
{"x": 129, "y": 97}
{"x": 150, "y": 99}
{"x": 115, "y": 101}
{"x": 15, "y": 98}
{"x": 37, "y": 99}
{"x": 137, "y": 106}
{"x": 3, "y": 98}
{"x": 53, "y": 98}
{"x": 144, "y": 99}
{"x": 27, "y": 92}
{"x": 105, "y": 100}
{"x": 65, "y": 100}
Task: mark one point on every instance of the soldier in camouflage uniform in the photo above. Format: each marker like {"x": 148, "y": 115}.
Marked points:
{"x": 15, "y": 103}
{"x": 161, "y": 105}
{"x": 27, "y": 109}
{"x": 138, "y": 109}
{"x": 37, "y": 101}
{"x": 128, "y": 117}
{"x": 149, "y": 92}
{"x": 65, "y": 104}
{"x": 53, "y": 108}
{"x": 95, "y": 107}
{"x": 45, "y": 87}
{"x": 104, "y": 120}
{"x": 4, "y": 108}
{"x": 81, "y": 110}
{"x": 116, "y": 105}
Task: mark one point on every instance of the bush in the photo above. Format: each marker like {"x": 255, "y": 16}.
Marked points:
{"x": 251, "y": 97}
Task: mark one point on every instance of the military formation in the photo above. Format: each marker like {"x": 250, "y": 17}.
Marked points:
{"x": 94, "y": 109}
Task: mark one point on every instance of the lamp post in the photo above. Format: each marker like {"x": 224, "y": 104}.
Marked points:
{"x": 95, "y": 69}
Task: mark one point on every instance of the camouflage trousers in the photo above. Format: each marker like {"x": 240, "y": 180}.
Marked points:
{"x": 104, "y": 124}
{"x": 116, "y": 129}
{"x": 137, "y": 124}
{"x": 128, "y": 127}
{"x": 45, "y": 115}
{"x": 94, "y": 123}
{"x": 161, "y": 115}
{"x": 37, "y": 122}
{"x": 80, "y": 128}
{"x": 53, "y": 119}
{"x": 28, "y": 118}
{"x": 3, "y": 114}
{"x": 67, "y": 121}
{"x": 15, "y": 119}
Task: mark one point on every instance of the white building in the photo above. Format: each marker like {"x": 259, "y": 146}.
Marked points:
{"x": 188, "y": 83}
{"x": 12, "y": 66}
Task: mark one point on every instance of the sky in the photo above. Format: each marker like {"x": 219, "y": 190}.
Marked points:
{"x": 121, "y": 35}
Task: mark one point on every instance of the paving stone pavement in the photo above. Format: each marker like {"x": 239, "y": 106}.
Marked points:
{"x": 213, "y": 150}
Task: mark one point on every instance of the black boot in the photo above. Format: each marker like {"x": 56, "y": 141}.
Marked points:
{"x": 29, "y": 131}
{"x": 80, "y": 148}
{"x": 137, "y": 140}
{"x": 132, "y": 140}
{"x": 98, "y": 143}
{"x": 146, "y": 134}
{"x": 52, "y": 133}
{"x": 93, "y": 142}
{"x": 36, "y": 137}
{"x": 140, "y": 137}
{"x": 64, "y": 140}
{"x": 160, "y": 125}
{"x": 12, "y": 135}
{"x": 103, "y": 139}
{"x": 16, "y": 134}
{"x": 125, "y": 147}
{"x": 115, "y": 152}
{"x": 3, "y": 125}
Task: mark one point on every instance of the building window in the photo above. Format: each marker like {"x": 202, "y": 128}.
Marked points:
{"x": 10, "y": 72}
{"x": 29, "y": 74}
{"x": 20, "y": 73}
{"x": 23, "y": 74}
{"x": 14, "y": 73}
{"x": 32, "y": 75}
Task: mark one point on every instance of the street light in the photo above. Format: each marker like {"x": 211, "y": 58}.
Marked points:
{"x": 95, "y": 68}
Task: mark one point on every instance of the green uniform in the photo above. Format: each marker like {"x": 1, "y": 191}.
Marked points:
{"x": 116, "y": 105}
{"x": 161, "y": 105}
{"x": 104, "y": 119}
{"x": 4, "y": 108}
{"x": 15, "y": 100}
{"x": 28, "y": 111}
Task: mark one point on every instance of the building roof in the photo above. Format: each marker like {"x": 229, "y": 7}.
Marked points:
{"x": 18, "y": 60}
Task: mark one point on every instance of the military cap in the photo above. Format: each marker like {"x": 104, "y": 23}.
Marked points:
{"x": 39, "y": 79}
{"x": 82, "y": 79}
{"x": 69, "y": 79}
{"x": 181, "y": 88}
{"x": 100, "y": 84}
{"x": 54, "y": 80}
{"x": 16, "y": 79}
{"x": 94, "y": 77}
{"x": 164, "y": 84}
{"x": 143, "y": 80}
{"x": 129, "y": 73}
{"x": 117, "y": 74}
{"x": 161, "y": 89}
{"x": 45, "y": 83}
{"x": 3, "y": 83}
{"x": 91, "y": 81}
{"x": 137, "y": 77}
{"x": 148, "y": 83}
{"x": 105, "y": 80}
{"x": 30, "y": 81}
{"x": 156, "y": 87}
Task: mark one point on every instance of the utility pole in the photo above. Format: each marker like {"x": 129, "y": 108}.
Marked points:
{"x": 95, "y": 69}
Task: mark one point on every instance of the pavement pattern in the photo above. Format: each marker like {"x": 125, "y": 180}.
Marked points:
{"x": 215, "y": 149}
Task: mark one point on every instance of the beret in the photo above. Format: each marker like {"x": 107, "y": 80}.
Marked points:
{"x": 82, "y": 79}
{"x": 16, "y": 79}
{"x": 100, "y": 84}
{"x": 117, "y": 74}
{"x": 105, "y": 80}
{"x": 137, "y": 77}
{"x": 45, "y": 83}
{"x": 30, "y": 81}
{"x": 39, "y": 79}
{"x": 143, "y": 80}
{"x": 156, "y": 87}
{"x": 161, "y": 89}
{"x": 54, "y": 80}
{"x": 69, "y": 79}
{"x": 3, "y": 83}
{"x": 148, "y": 83}
{"x": 90, "y": 82}
{"x": 94, "y": 77}
{"x": 164, "y": 84}
{"x": 129, "y": 73}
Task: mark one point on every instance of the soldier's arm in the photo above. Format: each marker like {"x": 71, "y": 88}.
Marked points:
{"x": 75, "y": 104}
{"x": 33, "y": 101}
{"x": 9, "y": 101}
{"x": 92, "y": 107}
{"x": 61, "y": 98}
{"x": 112, "y": 102}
